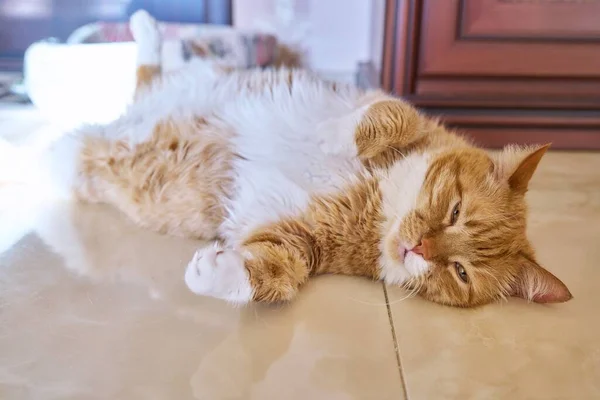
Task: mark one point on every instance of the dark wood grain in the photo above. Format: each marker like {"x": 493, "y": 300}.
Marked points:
{"x": 444, "y": 52}
{"x": 504, "y": 71}
{"x": 561, "y": 139}
{"x": 388, "y": 73}
{"x": 400, "y": 45}
{"x": 531, "y": 20}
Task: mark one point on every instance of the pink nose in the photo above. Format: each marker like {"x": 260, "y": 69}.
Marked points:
{"x": 423, "y": 249}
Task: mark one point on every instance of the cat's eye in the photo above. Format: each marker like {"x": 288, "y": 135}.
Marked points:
{"x": 455, "y": 213}
{"x": 461, "y": 272}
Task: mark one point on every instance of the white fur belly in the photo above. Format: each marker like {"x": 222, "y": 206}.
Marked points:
{"x": 282, "y": 162}
{"x": 264, "y": 194}
{"x": 276, "y": 178}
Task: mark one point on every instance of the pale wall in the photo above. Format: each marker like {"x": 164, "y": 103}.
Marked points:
{"x": 335, "y": 34}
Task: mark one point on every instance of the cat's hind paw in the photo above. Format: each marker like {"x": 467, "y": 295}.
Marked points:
{"x": 146, "y": 34}
{"x": 218, "y": 272}
{"x": 144, "y": 27}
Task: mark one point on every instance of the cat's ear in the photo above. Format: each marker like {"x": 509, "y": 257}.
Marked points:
{"x": 536, "y": 284}
{"x": 517, "y": 165}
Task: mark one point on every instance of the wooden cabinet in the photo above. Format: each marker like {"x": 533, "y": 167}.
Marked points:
{"x": 525, "y": 71}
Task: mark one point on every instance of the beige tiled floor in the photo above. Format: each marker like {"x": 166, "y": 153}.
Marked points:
{"x": 92, "y": 307}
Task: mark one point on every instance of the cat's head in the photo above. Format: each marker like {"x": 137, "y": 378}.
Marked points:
{"x": 455, "y": 227}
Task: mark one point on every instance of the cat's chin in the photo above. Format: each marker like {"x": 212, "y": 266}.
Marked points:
{"x": 398, "y": 265}
{"x": 415, "y": 264}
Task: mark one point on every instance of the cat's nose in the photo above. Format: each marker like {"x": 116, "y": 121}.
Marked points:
{"x": 423, "y": 248}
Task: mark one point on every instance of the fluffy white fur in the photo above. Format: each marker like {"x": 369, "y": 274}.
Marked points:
{"x": 282, "y": 163}
{"x": 293, "y": 142}
{"x": 336, "y": 135}
{"x": 400, "y": 187}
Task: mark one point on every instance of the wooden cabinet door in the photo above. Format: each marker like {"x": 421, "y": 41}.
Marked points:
{"x": 502, "y": 71}
{"x": 532, "y": 52}
{"x": 511, "y": 38}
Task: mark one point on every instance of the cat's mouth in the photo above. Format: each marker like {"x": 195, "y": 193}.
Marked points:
{"x": 414, "y": 263}
{"x": 403, "y": 251}
{"x": 399, "y": 250}
{"x": 404, "y": 248}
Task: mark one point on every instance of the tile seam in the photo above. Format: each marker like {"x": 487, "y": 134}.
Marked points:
{"x": 395, "y": 340}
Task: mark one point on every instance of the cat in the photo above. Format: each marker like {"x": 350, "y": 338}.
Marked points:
{"x": 290, "y": 176}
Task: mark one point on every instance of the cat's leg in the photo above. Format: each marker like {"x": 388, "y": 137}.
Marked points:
{"x": 146, "y": 33}
{"x": 378, "y": 128}
{"x": 338, "y": 235}
{"x": 387, "y": 123}
{"x": 269, "y": 267}
{"x": 174, "y": 183}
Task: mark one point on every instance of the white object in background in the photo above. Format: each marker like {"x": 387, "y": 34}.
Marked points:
{"x": 86, "y": 83}
{"x": 335, "y": 36}
{"x": 288, "y": 20}
{"x": 72, "y": 84}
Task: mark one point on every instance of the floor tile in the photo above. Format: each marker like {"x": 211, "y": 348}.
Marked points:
{"x": 517, "y": 350}
{"x": 94, "y": 308}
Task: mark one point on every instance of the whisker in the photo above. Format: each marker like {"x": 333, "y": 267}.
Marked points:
{"x": 396, "y": 150}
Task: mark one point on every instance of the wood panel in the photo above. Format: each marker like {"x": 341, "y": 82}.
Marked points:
{"x": 508, "y": 87}
{"x": 561, "y": 139}
{"x": 522, "y": 118}
{"x": 496, "y": 128}
{"x": 498, "y": 78}
{"x": 502, "y": 92}
{"x": 400, "y": 45}
{"x": 498, "y": 102}
{"x": 531, "y": 20}
{"x": 444, "y": 53}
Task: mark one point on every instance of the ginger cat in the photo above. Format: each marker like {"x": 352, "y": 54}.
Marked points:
{"x": 290, "y": 177}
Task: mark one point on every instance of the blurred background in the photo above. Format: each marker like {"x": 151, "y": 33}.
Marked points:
{"x": 525, "y": 71}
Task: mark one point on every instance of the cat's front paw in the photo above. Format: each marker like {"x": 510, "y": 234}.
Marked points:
{"x": 219, "y": 272}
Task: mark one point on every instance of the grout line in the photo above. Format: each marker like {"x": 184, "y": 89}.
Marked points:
{"x": 395, "y": 339}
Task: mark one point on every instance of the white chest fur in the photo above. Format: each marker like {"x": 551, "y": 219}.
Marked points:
{"x": 400, "y": 187}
